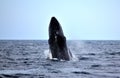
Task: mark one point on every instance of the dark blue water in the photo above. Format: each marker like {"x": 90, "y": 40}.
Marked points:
{"x": 26, "y": 59}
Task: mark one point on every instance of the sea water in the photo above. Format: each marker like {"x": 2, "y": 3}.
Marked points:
{"x": 27, "y": 59}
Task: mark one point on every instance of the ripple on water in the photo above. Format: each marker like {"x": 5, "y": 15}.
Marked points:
{"x": 95, "y": 65}
{"x": 114, "y": 53}
{"x": 83, "y": 58}
{"x": 81, "y": 72}
{"x": 22, "y": 76}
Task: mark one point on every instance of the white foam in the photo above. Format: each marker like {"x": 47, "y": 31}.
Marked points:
{"x": 74, "y": 58}
{"x": 48, "y": 54}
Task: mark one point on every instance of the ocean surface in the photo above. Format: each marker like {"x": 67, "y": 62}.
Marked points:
{"x": 27, "y": 59}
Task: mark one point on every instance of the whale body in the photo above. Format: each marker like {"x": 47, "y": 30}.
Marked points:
{"x": 57, "y": 41}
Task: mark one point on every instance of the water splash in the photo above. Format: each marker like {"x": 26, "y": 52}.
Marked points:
{"x": 48, "y": 55}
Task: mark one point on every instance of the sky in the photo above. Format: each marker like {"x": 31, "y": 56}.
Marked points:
{"x": 80, "y": 19}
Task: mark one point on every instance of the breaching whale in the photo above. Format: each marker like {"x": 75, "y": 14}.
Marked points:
{"x": 57, "y": 41}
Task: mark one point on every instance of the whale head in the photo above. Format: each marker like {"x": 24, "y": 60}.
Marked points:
{"x": 55, "y": 27}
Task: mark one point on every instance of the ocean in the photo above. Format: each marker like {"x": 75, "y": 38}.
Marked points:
{"x": 27, "y": 59}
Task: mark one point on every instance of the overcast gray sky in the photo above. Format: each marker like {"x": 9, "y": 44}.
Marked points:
{"x": 80, "y": 19}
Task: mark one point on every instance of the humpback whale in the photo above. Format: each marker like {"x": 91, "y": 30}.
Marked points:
{"x": 57, "y": 41}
